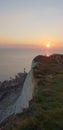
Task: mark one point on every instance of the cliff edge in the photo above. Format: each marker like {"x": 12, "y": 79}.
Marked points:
{"x": 40, "y": 103}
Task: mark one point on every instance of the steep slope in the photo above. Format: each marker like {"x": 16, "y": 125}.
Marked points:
{"x": 15, "y": 102}
{"x": 45, "y": 110}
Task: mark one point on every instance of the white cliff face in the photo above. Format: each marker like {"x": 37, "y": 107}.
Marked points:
{"x": 26, "y": 95}
{"x": 22, "y": 101}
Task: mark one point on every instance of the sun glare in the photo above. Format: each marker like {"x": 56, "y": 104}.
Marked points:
{"x": 47, "y": 54}
{"x": 48, "y": 45}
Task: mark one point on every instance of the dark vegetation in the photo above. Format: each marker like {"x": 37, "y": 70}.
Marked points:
{"x": 13, "y": 85}
{"x": 46, "y": 108}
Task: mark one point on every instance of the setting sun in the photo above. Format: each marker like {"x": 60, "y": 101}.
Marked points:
{"x": 48, "y": 45}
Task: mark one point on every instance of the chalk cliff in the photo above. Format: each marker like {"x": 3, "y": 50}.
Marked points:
{"x": 42, "y": 67}
{"x": 15, "y": 102}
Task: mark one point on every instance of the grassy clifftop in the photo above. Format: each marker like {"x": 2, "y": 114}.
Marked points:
{"x": 46, "y": 108}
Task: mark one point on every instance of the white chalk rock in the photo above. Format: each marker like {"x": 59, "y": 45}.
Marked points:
{"x": 22, "y": 101}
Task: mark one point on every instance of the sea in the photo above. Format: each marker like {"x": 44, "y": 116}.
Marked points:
{"x": 14, "y": 60}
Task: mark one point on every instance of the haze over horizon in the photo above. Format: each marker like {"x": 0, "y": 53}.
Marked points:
{"x": 31, "y": 24}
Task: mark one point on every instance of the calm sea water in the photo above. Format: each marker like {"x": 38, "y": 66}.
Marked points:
{"x": 13, "y": 61}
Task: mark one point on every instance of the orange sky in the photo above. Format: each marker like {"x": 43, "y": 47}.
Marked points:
{"x": 31, "y": 43}
{"x": 31, "y": 24}
{"x": 27, "y": 44}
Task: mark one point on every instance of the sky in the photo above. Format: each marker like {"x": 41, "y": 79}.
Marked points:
{"x": 33, "y": 23}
